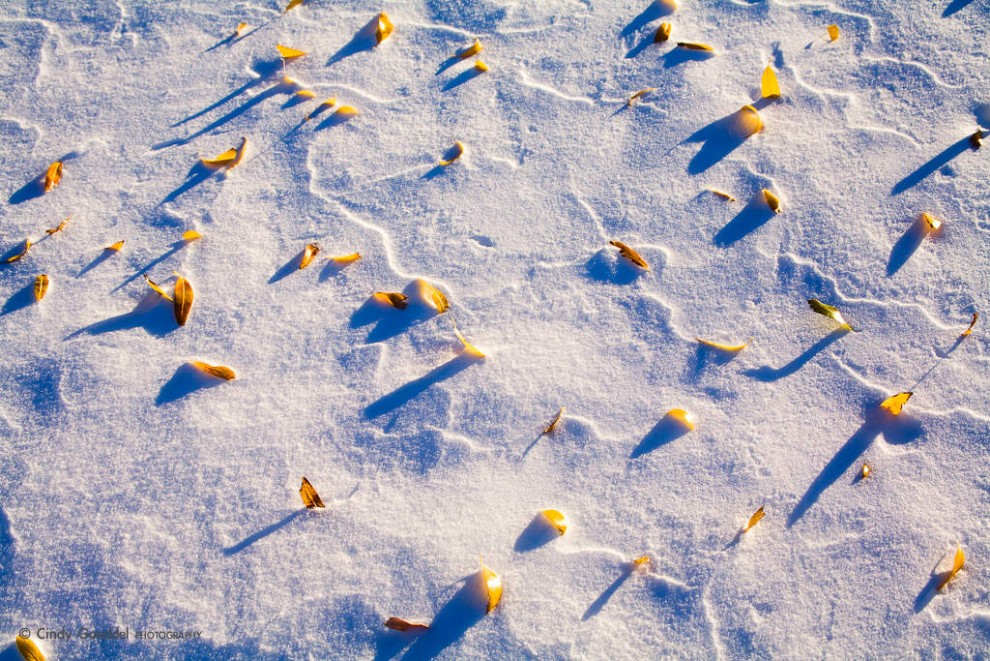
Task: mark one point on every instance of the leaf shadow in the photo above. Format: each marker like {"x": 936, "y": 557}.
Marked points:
{"x": 389, "y": 321}
{"x": 653, "y": 11}
{"x": 186, "y": 380}
{"x": 263, "y": 69}
{"x": 288, "y": 268}
{"x": 931, "y": 587}
{"x": 332, "y": 269}
{"x": 705, "y": 355}
{"x": 955, "y": 6}
{"x": 936, "y": 162}
{"x": 753, "y": 216}
{"x": 598, "y": 604}
{"x": 153, "y": 314}
{"x": 720, "y": 138}
{"x": 641, "y": 45}
{"x": 175, "y": 247}
{"x": 539, "y": 532}
{"x": 906, "y": 246}
{"x": 607, "y": 266}
{"x": 461, "y": 78}
{"x": 10, "y": 653}
{"x": 680, "y": 55}
{"x": 35, "y": 188}
{"x": 337, "y": 118}
{"x": 21, "y": 299}
{"x": 264, "y": 532}
{"x": 363, "y": 40}
{"x": 104, "y": 255}
{"x": 409, "y": 391}
{"x": 766, "y": 373}
{"x": 197, "y": 174}
{"x": 465, "y": 609}
{"x": 667, "y": 430}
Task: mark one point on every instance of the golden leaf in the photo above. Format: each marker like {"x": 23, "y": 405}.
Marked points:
{"x": 289, "y": 53}
{"x": 556, "y": 519}
{"x": 865, "y": 471}
{"x": 53, "y": 176}
{"x": 976, "y": 315}
{"x": 61, "y": 226}
{"x": 293, "y": 3}
{"x": 642, "y": 562}
{"x": 473, "y": 49}
{"x": 753, "y": 520}
{"x": 309, "y": 252}
{"x": 346, "y": 112}
{"x": 395, "y": 299}
{"x": 40, "y": 286}
{"x": 480, "y": 66}
{"x": 155, "y": 287}
{"x": 241, "y": 150}
{"x": 458, "y": 151}
{"x": 895, "y": 403}
{"x": 663, "y": 33}
{"x": 385, "y": 28}
{"x": 191, "y": 235}
{"x": 222, "y": 160}
{"x": 347, "y": 259}
{"x": 326, "y": 103}
{"x": 493, "y": 585}
{"x": 18, "y": 256}
{"x": 976, "y": 140}
{"x": 469, "y": 348}
{"x": 28, "y": 649}
{"x": 833, "y": 32}
{"x": 772, "y": 201}
{"x": 769, "y": 86}
{"x": 241, "y": 27}
{"x": 182, "y": 300}
{"x": 642, "y": 92}
{"x": 398, "y": 624}
{"x": 728, "y": 348}
{"x": 722, "y": 194}
{"x": 553, "y": 424}
{"x": 219, "y": 371}
{"x": 309, "y": 496}
{"x": 305, "y": 94}
{"x": 630, "y": 254}
{"x": 433, "y": 296}
{"x": 957, "y": 564}
{"x": 693, "y": 45}
{"x": 828, "y": 311}
{"x": 934, "y": 224}
{"x": 116, "y": 247}
{"x": 682, "y": 417}
{"x": 750, "y": 121}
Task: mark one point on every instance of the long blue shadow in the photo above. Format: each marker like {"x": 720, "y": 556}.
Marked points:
{"x": 913, "y": 179}
{"x": 21, "y": 299}
{"x": 539, "y": 532}
{"x": 197, "y": 174}
{"x": 186, "y": 380}
{"x": 416, "y": 387}
{"x": 464, "y": 610}
{"x": 265, "y": 70}
{"x": 653, "y": 11}
{"x": 667, "y": 430}
{"x": 363, "y": 40}
{"x": 461, "y": 78}
{"x": 176, "y": 247}
{"x": 753, "y": 216}
{"x": 104, "y": 255}
{"x": 605, "y": 267}
{"x": 767, "y": 373}
{"x": 598, "y": 604}
{"x": 679, "y": 56}
{"x": 720, "y": 138}
{"x": 955, "y": 6}
{"x": 264, "y": 532}
{"x": 906, "y": 246}
{"x": 153, "y": 314}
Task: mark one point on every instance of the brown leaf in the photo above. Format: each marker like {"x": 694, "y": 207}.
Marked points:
{"x": 53, "y": 176}
{"x": 309, "y": 496}
{"x": 182, "y": 300}
{"x": 219, "y": 371}
{"x": 398, "y": 624}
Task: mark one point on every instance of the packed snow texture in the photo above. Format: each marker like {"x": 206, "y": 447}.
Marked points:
{"x": 137, "y": 493}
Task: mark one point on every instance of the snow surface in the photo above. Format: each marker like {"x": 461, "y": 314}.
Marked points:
{"x": 134, "y": 494}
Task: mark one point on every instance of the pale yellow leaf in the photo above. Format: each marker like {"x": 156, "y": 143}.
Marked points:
{"x": 156, "y": 288}
{"x": 772, "y": 201}
{"x": 681, "y": 417}
{"x": 305, "y": 94}
{"x": 480, "y": 66}
{"x": 223, "y": 159}
{"x": 288, "y": 53}
{"x": 53, "y": 176}
{"x": 456, "y": 153}
{"x": 640, "y": 93}
{"x": 116, "y": 247}
{"x": 493, "y": 585}
{"x": 347, "y": 259}
{"x": 191, "y": 235}
{"x": 934, "y": 224}
{"x": 60, "y": 227}
{"x": 346, "y": 112}
{"x": 40, "y": 286}
{"x": 750, "y": 122}
{"x": 769, "y": 86}
{"x": 219, "y": 371}
{"x": 895, "y": 403}
{"x": 557, "y": 520}
{"x": 469, "y": 348}
{"x": 958, "y": 561}
{"x": 309, "y": 252}
{"x": 728, "y": 348}
{"x": 240, "y": 29}
{"x": 828, "y": 311}
{"x": 693, "y": 45}
{"x": 385, "y": 28}
{"x": 722, "y": 194}
{"x": 473, "y": 49}
{"x": 18, "y": 256}
{"x": 433, "y": 296}
{"x": 865, "y": 471}
{"x": 753, "y": 520}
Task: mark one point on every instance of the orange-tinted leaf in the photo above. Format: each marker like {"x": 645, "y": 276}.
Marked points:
{"x": 191, "y": 235}
{"x": 556, "y": 519}
{"x": 155, "y": 287}
{"x": 288, "y": 53}
{"x": 309, "y": 252}
{"x": 895, "y": 403}
{"x": 640, "y": 93}
{"x": 222, "y": 160}
{"x": 40, "y": 286}
{"x": 663, "y": 33}
{"x": 553, "y": 424}
{"x": 182, "y": 300}
{"x": 240, "y": 29}
{"x": 630, "y": 254}
{"x": 865, "y": 471}
{"x": 346, "y": 112}
{"x": 934, "y": 224}
{"x": 829, "y": 311}
{"x": 347, "y": 259}
{"x": 682, "y": 417}
{"x": 18, "y": 256}
{"x": 293, "y": 3}
{"x": 750, "y": 122}
{"x": 694, "y": 45}
{"x": 305, "y": 94}
{"x": 958, "y": 562}
{"x": 469, "y": 348}
{"x": 833, "y": 32}
{"x": 433, "y": 296}
{"x": 219, "y": 371}
{"x": 28, "y": 649}
{"x": 480, "y": 66}
{"x": 642, "y": 562}
{"x": 116, "y": 247}
{"x": 728, "y": 348}
{"x": 473, "y": 49}
{"x": 385, "y": 28}
{"x": 239, "y": 156}
{"x": 53, "y": 176}
{"x": 309, "y": 496}
{"x": 976, "y": 315}
{"x": 61, "y": 226}
{"x": 976, "y": 140}
{"x": 398, "y": 624}
{"x": 456, "y": 153}
{"x": 493, "y": 584}
{"x": 753, "y": 520}
{"x": 395, "y": 299}
{"x": 772, "y": 201}
{"x": 722, "y": 194}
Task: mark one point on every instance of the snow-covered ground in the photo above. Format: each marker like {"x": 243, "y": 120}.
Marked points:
{"x": 136, "y": 493}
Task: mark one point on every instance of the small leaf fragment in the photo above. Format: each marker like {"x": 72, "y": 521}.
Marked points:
{"x": 347, "y": 259}
{"x": 222, "y": 160}
{"x": 750, "y": 122}
{"x": 753, "y": 520}
{"x": 833, "y": 32}
{"x": 694, "y": 45}
{"x": 240, "y": 29}
{"x": 456, "y": 152}
{"x": 663, "y": 33}
{"x": 157, "y": 289}
{"x": 865, "y": 471}
{"x": 630, "y": 254}
{"x": 934, "y": 224}
{"x": 493, "y": 585}
{"x": 40, "y": 286}
{"x": 309, "y": 496}
{"x": 288, "y": 53}
{"x": 60, "y": 227}
{"x": 968, "y": 331}
{"x": 433, "y": 296}
{"x": 346, "y": 112}
{"x": 469, "y": 348}
{"x": 28, "y": 649}
{"x": 309, "y": 252}
{"x": 957, "y": 564}
{"x": 219, "y": 371}
{"x": 398, "y": 624}
{"x": 642, "y": 562}
{"x": 473, "y": 49}
{"x": 722, "y": 194}
{"x": 116, "y": 247}
{"x": 385, "y": 28}
{"x": 53, "y": 176}
{"x": 728, "y": 348}
{"x": 895, "y": 403}
{"x": 772, "y": 201}
{"x": 976, "y": 140}
{"x": 556, "y": 519}
{"x": 828, "y": 311}
{"x": 292, "y": 4}
{"x": 553, "y": 424}
{"x": 191, "y": 235}
{"x": 640, "y": 93}
{"x": 182, "y": 300}
{"x": 480, "y": 66}
{"x": 18, "y": 256}
{"x": 681, "y": 417}
{"x": 769, "y": 87}
{"x": 396, "y": 299}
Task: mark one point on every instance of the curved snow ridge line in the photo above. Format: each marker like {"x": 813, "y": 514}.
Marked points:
{"x": 910, "y": 63}
{"x": 870, "y": 21}
{"x": 553, "y": 91}
{"x": 460, "y": 438}
{"x": 713, "y": 623}
{"x": 595, "y": 218}
{"x": 674, "y": 329}
{"x": 359, "y": 91}
{"x": 440, "y": 27}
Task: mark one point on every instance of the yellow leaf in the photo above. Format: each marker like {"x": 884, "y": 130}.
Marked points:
{"x": 241, "y": 27}
{"x": 722, "y": 194}
{"x": 753, "y": 520}
{"x": 976, "y": 315}
{"x": 433, "y": 296}
{"x": 473, "y": 49}
{"x": 53, "y": 176}
{"x": 223, "y": 159}
{"x": 828, "y": 311}
{"x": 182, "y": 300}
{"x": 663, "y": 33}
{"x": 293, "y": 3}
{"x": 40, "y": 286}
{"x": 682, "y": 417}
{"x": 347, "y": 259}
{"x": 557, "y": 520}
{"x": 750, "y": 121}
{"x": 458, "y": 151}
{"x": 480, "y": 66}
{"x": 289, "y": 53}
{"x": 833, "y": 32}
{"x": 398, "y": 624}
{"x": 18, "y": 256}
{"x": 642, "y": 92}
{"x": 957, "y": 564}
{"x": 895, "y": 403}
{"x": 693, "y": 45}
{"x": 385, "y": 28}
{"x": 630, "y": 254}
{"x": 493, "y": 585}
{"x": 346, "y": 112}
{"x": 191, "y": 235}
{"x": 976, "y": 140}
{"x": 241, "y": 150}
{"x": 865, "y": 471}
{"x": 642, "y": 562}
{"x": 553, "y": 425}
{"x": 116, "y": 247}
{"x": 770, "y": 88}
{"x": 219, "y": 371}
{"x": 28, "y": 649}
{"x": 305, "y": 94}
{"x": 309, "y": 496}
{"x": 772, "y": 201}
{"x": 395, "y": 299}
{"x": 61, "y": 226}
{"x": 309, "y": 252}
{"x": 156, "y": 288}
{"x": 728, "y": 348}
{"x": 469, "y": 348}
{"x": 934, "y": 224}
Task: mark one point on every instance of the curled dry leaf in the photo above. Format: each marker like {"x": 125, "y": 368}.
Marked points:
{"x": 957, "y": 564}
{"x": 772, "y": 201}
{"x": 833, "y": 32}
{"x": 480, "y": 66}
{"x": 630, "y": 254}
{"x": 346, "y": 112}
{"x": 663, "y": 33}
{"x": 681, "y": 417}
{"x": 156, "y": 288}
{"x": 829, "y": 311}
{"x": 396, "y": 299}
{"x": 347, "y": 259}
{"x": 240, "y": 29}
{"x": 40, "y": 286}
{"x": 753, "y": 520}
{"x": 60, "y": 227}
{"x": 640, "y": 93}
{"x": 288, "y": 53}
{"x": 895, "y": 403}
{"x": 556, "y": 421}
{"x": 556, "y": 519}
{"x": 191, "y": 235}
{"x": 309, "y": 496}
{"x": 385, "y": 28}
{"x": 750, "y": 122}
{"x": 28, "y": 649}
{"x": 493, "y": 585}
{"x": 933, "y": 223}
{"x": 398, "y": 624}
{"x": 694, "y": 45}
{"x": 968, "y": 331}
{"x": 53, "y": 176}
{"x": 18, "y": 256}
{"x": 433, "y": 296}
{"x": 976, "y": 140}
{"x": 865, "y": 471}
{"x": 182, "y": 300}
{"x": 456, "y": 153}
{"x": 473, "y": 49}
{"x": 728, "y": 348}
{"x": 722, "y": 194}
{"x": 309, "y": 252}
{"x": 116, "y": 247}
{"x": 239, "y": 156}
{"x": 229, "y": 159}
{"x": 293, "y": 3}
{"x": 219, "y": 371}
{"x": 769, "y": 87}
{"x": 469, "y": 348}
{"x": 643, "y": 562}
